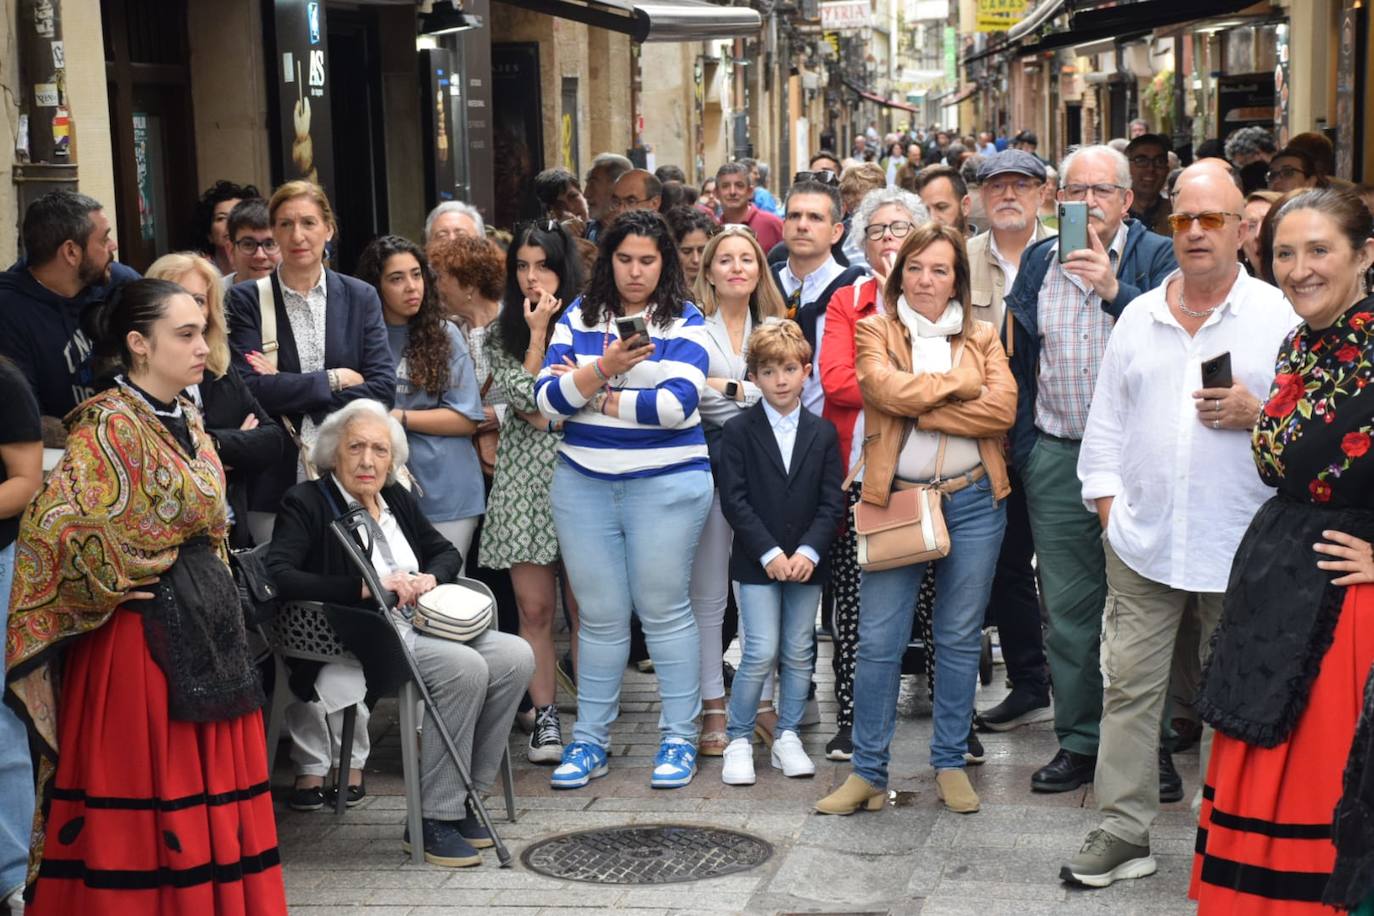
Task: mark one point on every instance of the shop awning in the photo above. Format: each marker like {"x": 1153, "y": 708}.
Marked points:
{"x": 960, "y": 96}
{"x": 1148, "y": 15}
{"x": 654, "y": 20}
{"x": 1043, "y": 13}
{"x": 879, "y": 100}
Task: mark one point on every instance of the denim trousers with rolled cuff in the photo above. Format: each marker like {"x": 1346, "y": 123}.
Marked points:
{"x": 963, "y": 581}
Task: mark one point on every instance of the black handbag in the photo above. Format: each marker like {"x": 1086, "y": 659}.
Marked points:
{"x": 258, "y": 594}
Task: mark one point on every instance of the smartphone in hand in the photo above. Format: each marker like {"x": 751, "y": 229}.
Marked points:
{"x": 630, "y": 327}
{"x": 1216, "y": 372}
{"x": 1073, "y": 227}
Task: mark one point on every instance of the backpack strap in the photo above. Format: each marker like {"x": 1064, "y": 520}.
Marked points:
{"x": 267, "y": 308}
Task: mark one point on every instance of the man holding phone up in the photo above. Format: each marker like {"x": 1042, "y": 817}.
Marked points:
{"x": 1059, "y": 314}
{"x": 1166, "y": 467}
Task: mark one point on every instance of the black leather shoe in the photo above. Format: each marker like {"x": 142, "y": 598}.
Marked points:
{"x": 1170, "y": 783}
{"x": 1066, "y": 772}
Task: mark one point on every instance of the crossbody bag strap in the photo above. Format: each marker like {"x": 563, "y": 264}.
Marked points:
{"x": 267, "y": 307}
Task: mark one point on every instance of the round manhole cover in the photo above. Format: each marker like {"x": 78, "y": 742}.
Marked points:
{"x": 646, "y": 854}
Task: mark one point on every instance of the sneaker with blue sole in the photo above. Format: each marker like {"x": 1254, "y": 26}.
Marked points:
{"x": 582, "y": 762}
{"x": 675, "y": 764}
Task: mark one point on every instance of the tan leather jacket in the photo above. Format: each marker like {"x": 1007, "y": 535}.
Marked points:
{"x": 987, "y": 281}
{"x": 953, "y": 402}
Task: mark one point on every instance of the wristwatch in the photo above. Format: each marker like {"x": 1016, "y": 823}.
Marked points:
{"x": 732, "y": 390}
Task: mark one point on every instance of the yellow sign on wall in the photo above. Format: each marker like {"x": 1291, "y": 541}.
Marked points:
{"x": 999, "y": 15}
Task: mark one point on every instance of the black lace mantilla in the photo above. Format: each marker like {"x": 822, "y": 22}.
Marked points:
{"x": 194, "y": 628}
{"x": 1352, "y": 880}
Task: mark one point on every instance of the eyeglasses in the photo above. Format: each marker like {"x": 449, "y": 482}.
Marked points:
{"x": 824, "y": 176}
{"x": 1287, "y": 171}
{"x": 251, "y": 245}
{"x": 1210, "y": 220}
{"x": 1145, "y": 162}
{"x": 1080, "y": 191}
{"x": 625, "y": 203}
{"x": 900, "y": 229}
{"x": 1019, "y": 185}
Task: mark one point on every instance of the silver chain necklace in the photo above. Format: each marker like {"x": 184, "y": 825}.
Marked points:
{"x": 1183, "y": 306}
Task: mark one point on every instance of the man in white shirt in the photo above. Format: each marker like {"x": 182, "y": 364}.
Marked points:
{"x": 811, "y": 275}
{"x": 1166, "y": 464}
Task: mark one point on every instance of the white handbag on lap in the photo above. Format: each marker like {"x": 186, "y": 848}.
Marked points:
{"x": 453, "y": 611}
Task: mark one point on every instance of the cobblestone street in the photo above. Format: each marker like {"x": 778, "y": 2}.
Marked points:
{"x": 913, "y": 857}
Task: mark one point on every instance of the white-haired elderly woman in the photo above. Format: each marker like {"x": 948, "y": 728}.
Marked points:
{"x": 477, "y": 685}
{"x": 881, "y": 223}
{"x": 451, "y": 219}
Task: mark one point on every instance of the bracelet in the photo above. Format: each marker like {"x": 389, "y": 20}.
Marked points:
{"x": 333, "y": 377}
{"x": 600, "y": 373}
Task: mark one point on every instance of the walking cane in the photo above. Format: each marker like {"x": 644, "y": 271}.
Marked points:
{"x": 346, "y": 528}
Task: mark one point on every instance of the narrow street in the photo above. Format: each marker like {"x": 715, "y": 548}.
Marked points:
{"x": 913, "y": 857}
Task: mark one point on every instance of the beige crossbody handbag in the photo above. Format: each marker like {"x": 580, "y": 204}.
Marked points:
{"x": 910, "y": 529}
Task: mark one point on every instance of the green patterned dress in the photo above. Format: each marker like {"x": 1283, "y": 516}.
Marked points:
{"x": 519, "y": 522}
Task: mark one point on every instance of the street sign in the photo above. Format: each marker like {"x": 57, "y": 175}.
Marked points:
{"x": 999, "y": 15}
{"x": 842, "y": 15}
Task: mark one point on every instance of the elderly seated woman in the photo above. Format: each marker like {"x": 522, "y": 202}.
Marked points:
{"x": 476, "y": 685}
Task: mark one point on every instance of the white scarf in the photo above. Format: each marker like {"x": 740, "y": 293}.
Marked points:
{"x": 930, "y": 350}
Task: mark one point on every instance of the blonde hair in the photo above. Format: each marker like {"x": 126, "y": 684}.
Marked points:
{"x": 301, "y": 188}
{"x": 177, "y": 265}
{"x": 764, "y": 302}
{"x": 777, "y": 342}
{"x": 858, "y": 180}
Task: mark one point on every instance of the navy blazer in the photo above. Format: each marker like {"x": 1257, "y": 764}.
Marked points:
{"x": 768, "y": 506}
{"x": 355, "y": 338}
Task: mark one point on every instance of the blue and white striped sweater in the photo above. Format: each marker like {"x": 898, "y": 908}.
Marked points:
{"x": 658, "y": 430}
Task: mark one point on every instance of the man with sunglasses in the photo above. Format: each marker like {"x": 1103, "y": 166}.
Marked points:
{"x": 1058, "y": 318}
{"x": 1148, "y": 155}
{"x": 1010, "y": 184}
{"x": 252, "y": 250}
{"x": 1167, "y": 468}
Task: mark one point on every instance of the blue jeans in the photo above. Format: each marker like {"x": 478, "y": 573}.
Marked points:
{"x": 16, "y": 773}
{"x": 963, "y": 581}
{"x": 629, "y": 545}
{"x": 779, "y": 629}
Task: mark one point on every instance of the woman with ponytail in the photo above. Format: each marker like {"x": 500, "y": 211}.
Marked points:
{"x": 152, "y": 772}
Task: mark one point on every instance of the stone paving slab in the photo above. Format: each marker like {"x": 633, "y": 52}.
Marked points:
{"x": 913, "y": 858}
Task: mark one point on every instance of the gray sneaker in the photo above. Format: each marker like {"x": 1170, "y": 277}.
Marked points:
{"x": 1104, "y": 859}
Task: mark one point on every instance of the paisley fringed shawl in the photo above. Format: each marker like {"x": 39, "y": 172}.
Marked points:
{"x": 111, "y": 515}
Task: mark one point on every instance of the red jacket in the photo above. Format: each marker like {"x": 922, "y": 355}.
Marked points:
{"x": 843, "y": 401}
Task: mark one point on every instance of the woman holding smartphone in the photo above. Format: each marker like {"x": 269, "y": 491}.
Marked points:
{"x": 632, "y": 486}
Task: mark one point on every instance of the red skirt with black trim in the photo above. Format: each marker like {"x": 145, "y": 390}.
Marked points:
{"x": 1264, "y": 844}
{"x": 150, "y": 815}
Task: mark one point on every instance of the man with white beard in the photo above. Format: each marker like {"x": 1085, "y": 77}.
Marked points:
{"x": 1010, "y": 184}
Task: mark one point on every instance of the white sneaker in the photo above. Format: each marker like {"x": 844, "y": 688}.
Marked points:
{"x": 789, "y": 756}
{"x": 738, "y": 769}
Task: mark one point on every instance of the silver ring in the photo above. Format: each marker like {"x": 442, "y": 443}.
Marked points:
{"x": 1216, "y": 424}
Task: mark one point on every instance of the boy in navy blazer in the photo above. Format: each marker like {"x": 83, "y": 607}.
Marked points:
{"x": 780, "y": 490}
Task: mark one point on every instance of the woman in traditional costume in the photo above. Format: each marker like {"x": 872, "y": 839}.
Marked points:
{"x": 1286, "y": 678}
{"x": 126, "y": 648}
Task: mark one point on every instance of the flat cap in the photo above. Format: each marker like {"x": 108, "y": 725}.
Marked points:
{"x": 1012, "y": 160}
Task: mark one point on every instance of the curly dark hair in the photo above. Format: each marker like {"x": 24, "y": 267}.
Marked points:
{"x": 685, "y": 220}
{"x": 216, "y": 194}
{"x": 429, "y": 350}
{"x": 602, "y": 298}
{"x": 478, "y": 263}
{"x": 560, "y": 256}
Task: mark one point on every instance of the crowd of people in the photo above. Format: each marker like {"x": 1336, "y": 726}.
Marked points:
{"x": 893, "y": 400}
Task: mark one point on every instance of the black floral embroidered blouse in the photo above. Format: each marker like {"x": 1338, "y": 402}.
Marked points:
{"x": 1313, "y": 438}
